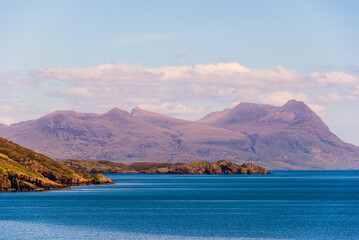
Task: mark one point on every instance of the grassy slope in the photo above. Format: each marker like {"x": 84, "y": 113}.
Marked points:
{"x": 24, "y": 170}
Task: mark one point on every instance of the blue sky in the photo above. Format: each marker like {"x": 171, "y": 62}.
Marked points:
{"x": 94, "y": 55}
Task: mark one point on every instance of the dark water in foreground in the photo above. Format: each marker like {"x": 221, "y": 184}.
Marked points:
{"x": 287, "y": 205}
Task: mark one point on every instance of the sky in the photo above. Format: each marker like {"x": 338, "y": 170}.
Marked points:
{"x": 180, "y": 58}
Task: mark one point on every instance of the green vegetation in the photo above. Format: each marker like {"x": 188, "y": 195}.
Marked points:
{"x": 198, "y": 167}
{"x": 24, "y": 170}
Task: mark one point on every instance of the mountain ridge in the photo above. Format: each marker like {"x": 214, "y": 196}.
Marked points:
{"x": 288, "y": 137}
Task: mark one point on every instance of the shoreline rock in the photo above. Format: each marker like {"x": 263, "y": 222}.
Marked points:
{"x": 24, "y": 170}
{"x": 194, "y": 168}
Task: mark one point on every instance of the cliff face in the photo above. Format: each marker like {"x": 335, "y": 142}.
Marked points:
{"x": 24, "y": 170}
{"x": 17, "y": 181}
{"x": 193, "y": 168}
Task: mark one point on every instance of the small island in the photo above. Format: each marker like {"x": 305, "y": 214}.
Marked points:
{"x": 193, "y": 168}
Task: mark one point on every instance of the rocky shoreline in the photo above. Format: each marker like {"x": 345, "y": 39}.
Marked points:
{"x": 24, "y": 170}
{"x": 17, "y": 182}
{"x": 221, "y": 167}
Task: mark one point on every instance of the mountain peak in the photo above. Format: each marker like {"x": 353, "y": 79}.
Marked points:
{"x": 244, "y": 112}
{"x": 61, "y": 112}
{"x": 297, "y": 113}
{"x": 298, "y": 109}
{"x": 246, "y": 104}
{"x": 115, "y": 109}
{"x": 115, "y": 112}
{"x": 65, "y": 114}
{"x": 293, "y": 105}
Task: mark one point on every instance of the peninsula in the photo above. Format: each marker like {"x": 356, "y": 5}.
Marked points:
{"x": 22, "y": 169}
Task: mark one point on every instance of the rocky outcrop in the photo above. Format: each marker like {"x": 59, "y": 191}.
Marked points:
{"x": 221, "y": 167}
{"x": 193, "y": 168}
{"x": 249, "y": 168}
{"x": 98, "y": 178}
{"x": 24, "y": 170}
{"x": 15, "y": 181}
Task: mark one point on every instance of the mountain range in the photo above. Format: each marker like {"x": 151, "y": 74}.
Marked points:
{"x": 288, "y": 137}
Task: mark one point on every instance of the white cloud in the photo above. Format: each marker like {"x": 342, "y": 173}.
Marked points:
{"x": 248, "y": 93}
{"x": 76, "y": 92}
{"x": 4, "y": 88}
{"x": 172, "y": 108}
{"x": 101, "y": 76}
{"x": 9, "y": 111}
{"x": 223, "y": 74}
{"x": 196, "y": 88}
{"x": 334, "y": 78}
{"x": 335, "y": 97}
{"x": 6, "y": 120}
{"x": 318, "y": 109}
{"x": 16, "y": 78}
{"x": 356, "y": 90}
{"x": 226, "y": 91}
{"x": 24, "y": 105}
{"x": 6, "y": 108}
{"x": 175, "y": 90}
{"x": 280, "y": 98}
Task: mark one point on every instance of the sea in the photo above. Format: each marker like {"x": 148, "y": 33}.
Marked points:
{"x": 285, "y": 205}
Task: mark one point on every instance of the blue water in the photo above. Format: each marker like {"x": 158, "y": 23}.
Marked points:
{"x": 287, "y": 205}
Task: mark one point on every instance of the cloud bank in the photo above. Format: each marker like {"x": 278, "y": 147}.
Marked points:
{"x": 232, "y": 74}
{"x": 182, "y": 91}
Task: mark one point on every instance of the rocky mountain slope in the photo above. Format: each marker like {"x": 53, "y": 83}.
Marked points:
{"x": 287, "y": 137}
{"x": 198, "y": 168}
{"x": 24, "y": 170}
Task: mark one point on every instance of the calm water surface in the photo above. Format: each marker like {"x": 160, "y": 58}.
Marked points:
{"x": 287, "y": 205}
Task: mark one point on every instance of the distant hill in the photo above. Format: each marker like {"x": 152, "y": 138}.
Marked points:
{"x": 287, "y": 137}
{"x": 198, "y": 168}
{"x": 24, "y": 170}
